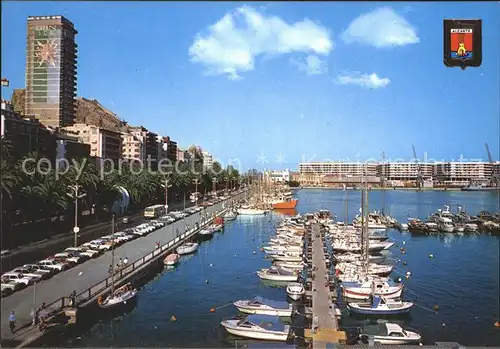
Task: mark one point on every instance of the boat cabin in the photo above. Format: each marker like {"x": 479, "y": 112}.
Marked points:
{"x": 259, "y": 302}
{"x": 279, "y": 271}
{"x": 266, "y": 322}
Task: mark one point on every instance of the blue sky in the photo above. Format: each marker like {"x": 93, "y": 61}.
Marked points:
{"x": 273, "y": 84}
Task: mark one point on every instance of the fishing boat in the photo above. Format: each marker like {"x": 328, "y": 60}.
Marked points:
{"x": 277, "y": 274}
{"x": 264, "y": 306}
{"x": 284, "y": 203}
{"x": 258, "y": 327}
{"x": 381, "y": 306}
{"x": 121, "y": 296}
{"x": 389, "y": 334}
{"x": 371, "y": 286}
{"x": 171, "y": 259}
{"x": 187, "y": 248}
{"x": 295, "y": 290}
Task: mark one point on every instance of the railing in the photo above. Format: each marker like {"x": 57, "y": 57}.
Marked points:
{"x": 63, "y": 302}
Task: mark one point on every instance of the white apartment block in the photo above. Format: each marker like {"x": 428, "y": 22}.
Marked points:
{"x": 355, "y": 169}
{"x": 208, "y": 160}
{"x": 277, "y": 176}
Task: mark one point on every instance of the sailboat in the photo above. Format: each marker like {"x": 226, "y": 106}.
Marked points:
{"x": 122, "y": 295}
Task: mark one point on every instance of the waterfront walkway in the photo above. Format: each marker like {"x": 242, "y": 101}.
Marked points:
{"x": 325, "y": 326}
{"x": 88, "y": 273}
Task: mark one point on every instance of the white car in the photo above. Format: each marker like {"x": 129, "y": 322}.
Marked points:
{"x": 157, "y": 223}
{"x": 71, "y": 257}
{"x": 147, "y": 228}
{"x": 13, "y": 285}
{"x": 18, "y": 277}
{"x": 111, "y": 238}
{"x": 123, "y": 237}
{"x": 140, "y": 231}
{"x": 83, "y": 251}
{"x": 98, "y": 244}
{"x": 40, "y": 269}
{"x": 29, "y": 273}
{"x": 167, "y": 219}
{"x": 52, "y": 264}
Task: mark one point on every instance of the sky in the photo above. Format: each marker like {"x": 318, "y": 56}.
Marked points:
{"x": 269, "y": 85}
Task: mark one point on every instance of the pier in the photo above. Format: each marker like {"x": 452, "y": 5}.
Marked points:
{"x": 91, "y": 279}
{"x": 325, "y": 328}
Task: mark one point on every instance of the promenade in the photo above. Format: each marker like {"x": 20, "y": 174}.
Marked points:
{"x": 90, "y": 272}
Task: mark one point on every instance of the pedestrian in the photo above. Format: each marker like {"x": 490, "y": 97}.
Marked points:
{"x": 177, "y": 232}
{"x": 120, "y": 262}
{"x": 73, "y": 298}
{"x": 110, "y": 269}
{"x": 12, "y": 321}
{"x": 125, "y": 262}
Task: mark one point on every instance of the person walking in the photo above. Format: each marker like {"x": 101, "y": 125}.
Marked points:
{"x": 120, "y": 263}
{"x": 12, "y": 321}
{"x": 125, "y": 262}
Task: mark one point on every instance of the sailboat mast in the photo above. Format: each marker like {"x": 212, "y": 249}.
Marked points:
{"x": 367, "y": 239}
{"x": 112, "y": 255}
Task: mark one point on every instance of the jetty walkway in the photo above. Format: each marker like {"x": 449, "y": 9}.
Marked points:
{"x": 325, "y": 328}
{"x": 83, "y": 276}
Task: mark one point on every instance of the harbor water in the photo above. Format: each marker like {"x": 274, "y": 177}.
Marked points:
{"x": 461, "y": 278}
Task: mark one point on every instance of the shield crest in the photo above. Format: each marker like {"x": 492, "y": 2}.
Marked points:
{"x": 462, "y": 43}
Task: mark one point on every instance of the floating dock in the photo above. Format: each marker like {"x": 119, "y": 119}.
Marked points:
{"x": 325, "y": 328}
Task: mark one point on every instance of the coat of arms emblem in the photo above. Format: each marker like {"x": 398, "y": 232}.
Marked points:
{"x": 462, "y": 43}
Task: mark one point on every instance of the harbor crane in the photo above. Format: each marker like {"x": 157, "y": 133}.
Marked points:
{"x": 420, "y": 181}
{"x": 495, "y": 178}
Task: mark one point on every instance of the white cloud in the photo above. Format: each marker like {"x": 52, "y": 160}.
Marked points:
{"x": 231, "y": 45}
{"x": 311, "y": 65}
{"x": 381, "y": 28}
{"x": 371, "y": 81}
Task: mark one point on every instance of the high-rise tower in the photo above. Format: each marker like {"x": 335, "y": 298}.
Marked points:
{"x": 51, "y": 54}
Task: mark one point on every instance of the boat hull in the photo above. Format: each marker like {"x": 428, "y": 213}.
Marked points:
{"x": 370, "y": 311}
{"x": 291, "y": 204}
{"x": 115, "y": 302}
{"x": 272, "y": 312}
{"x": 270, "y": 336}
{"x": 365, "y": 292}
{"x": 251, "y": 212}
{"x": 182, "y": 250}
{"x": 265, "y": 276}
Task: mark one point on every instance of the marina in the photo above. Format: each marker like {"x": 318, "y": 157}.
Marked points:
{"x": 240, "y": 245}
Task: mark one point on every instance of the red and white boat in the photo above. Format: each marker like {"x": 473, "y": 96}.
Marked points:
{"x": 284, "y": 203}
{"x": 171, "y": 259}
{"x": 371, "y": 286}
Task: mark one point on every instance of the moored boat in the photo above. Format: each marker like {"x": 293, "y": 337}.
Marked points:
{"x": 295, "y": 290}
{"x": 230, "y": 215}
{"x": 248, "y": 211}
{"x": 381, "y": 306}
{"x": 285, "y": 204}
{"x": 368, "y": 287}
{"x": 258, "y": 327}
{"x": 264, "y": 306}
{"x": 187, "y": 248}
{"x": 277, "y": 274}
{"x": 171, "y": 259}
{"x": 389, "y": 334}
{"x": 120, "y": 297}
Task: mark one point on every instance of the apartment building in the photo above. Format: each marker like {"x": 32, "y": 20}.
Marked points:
{"x": 133, "y": 147}
{"x": 208, "y": 160}
{"x": 463, "y": 173}
{"x": 277, "y": 176}
{"x": 105, "y": 144}
{"x": 356, "y": 169}
{"x": 70, "y": 147}
{"x": 171, "y": 148}
{"x": 51, "y": 54}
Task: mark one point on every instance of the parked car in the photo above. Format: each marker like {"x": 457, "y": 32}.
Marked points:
{"x": 123, "y": 237}
{"x": 167, "y": 219}
{"x": 12, "y": 285}
{"x": 27, "y": 280}
{"x": 98, "y": 244}
{"x": 157, "y": 223}
{"x": 84, "y": 251}
{"x": 53, "y": 264}
{"x": 40, "y": 269}
{"x": 112, "y": 239}
{"x": 31, "y": 273}
{"x": 71, "y": 257}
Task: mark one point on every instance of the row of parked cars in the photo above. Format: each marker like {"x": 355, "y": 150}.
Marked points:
{"x": 28, "y": 274}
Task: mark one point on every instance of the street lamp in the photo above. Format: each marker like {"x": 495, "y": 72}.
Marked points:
{"x": 214, "y": 183}
{"x": 196, "y": 181}
{"x": 74, "y": 195}
{"x": 166, "y": 186}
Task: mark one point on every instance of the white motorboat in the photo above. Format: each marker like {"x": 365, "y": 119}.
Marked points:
{"x": 354, "y": 257}
{"x": 459, "y": 228}
{"x": 381, "y": 306}
{"x": 403, "y": 226}
{"x": 446, "y": 227}
{"x": 290, "y": 265}
{"x": 371, "y": 286}
{"x": 356, "y": 247}
{"x": 119, "y": 297}
{"x": 389, "y": 334}
{"x": 471, "y": 227}
{"x": 217, "y": 227}
{"x": 230, "y": 216}
{"x": 278, "y": 274}
{"x": 295, "y": 290}
{"x": 171, "y": 259}
{"x": 248, "y": 211}
{"x": 263, "y": 306}
{"x": 187, "y": 248}
{"x": 258, "y": 327}
{"x": 286, "y": 257}
{"x": 208, "y": 231}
